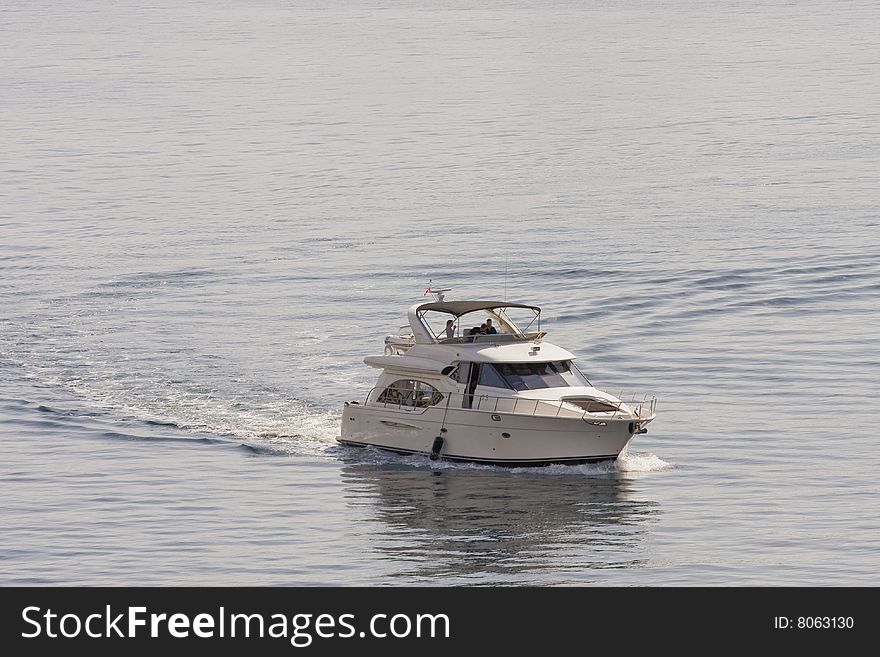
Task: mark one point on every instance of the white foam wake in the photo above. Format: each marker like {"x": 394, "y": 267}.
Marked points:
{"x": 641, "y": 462}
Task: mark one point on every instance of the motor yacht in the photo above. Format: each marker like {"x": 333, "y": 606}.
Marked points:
{"x": 492, "y": 392}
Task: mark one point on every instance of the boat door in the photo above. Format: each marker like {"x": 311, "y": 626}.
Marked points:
{"x": 471, "y": 379}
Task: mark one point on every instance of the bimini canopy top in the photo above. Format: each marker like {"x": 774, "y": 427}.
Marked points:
{"x": 459, "y": 308}
{"x": 424, "y": 334}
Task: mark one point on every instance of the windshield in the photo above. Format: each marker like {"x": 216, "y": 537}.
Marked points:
{"x": 533, "y": 376}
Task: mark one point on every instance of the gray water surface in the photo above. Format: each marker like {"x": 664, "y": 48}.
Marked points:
{"x": 210, "y": 212}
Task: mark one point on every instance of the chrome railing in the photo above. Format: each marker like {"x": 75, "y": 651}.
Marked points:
{"x": 635, "y": 407}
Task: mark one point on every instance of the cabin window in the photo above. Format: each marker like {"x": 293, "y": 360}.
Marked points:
{"x": 489, "y": 376}
{"x": 409, "y": 392}
{"x": 533, "y": 376}
{"x": 462, "y": 373}
{"x": 571, "y": 373}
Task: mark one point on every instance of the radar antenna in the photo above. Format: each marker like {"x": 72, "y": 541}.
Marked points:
{"x": 439, "y": 293}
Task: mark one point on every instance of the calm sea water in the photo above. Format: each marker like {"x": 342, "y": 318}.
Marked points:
{"x": 210, "y": 212}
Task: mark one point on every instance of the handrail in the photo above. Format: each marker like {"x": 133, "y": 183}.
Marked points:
{"x": 493, "y": 338}
{"x": 640, "y": 409}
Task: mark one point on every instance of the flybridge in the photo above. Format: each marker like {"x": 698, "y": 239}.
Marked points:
{"x": 499, "y": 311}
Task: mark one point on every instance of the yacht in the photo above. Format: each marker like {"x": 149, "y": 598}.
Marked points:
{"x": 487, "y": 390}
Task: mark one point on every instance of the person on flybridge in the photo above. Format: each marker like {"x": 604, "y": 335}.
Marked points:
{"x": 486, "y": 328}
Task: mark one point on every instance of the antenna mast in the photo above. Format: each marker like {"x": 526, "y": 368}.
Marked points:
{"x": 438, "y": 293}
{"x": 505, "y": 275}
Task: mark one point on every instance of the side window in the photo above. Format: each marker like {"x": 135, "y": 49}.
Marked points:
{"x": 489, "y": 376}
{"x": 425, "y": 395}
{"x": 409, "y": 392}
{"x": 395, "y": 393}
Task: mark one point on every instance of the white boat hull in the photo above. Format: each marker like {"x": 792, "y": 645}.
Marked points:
{"x": 494, "y": 438}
